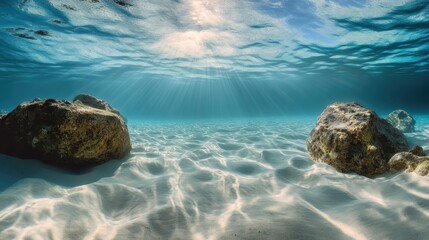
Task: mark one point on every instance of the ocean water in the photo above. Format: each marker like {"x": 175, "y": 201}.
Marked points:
{"x": 175, "y": 59}
{"x": 220, "y": 97}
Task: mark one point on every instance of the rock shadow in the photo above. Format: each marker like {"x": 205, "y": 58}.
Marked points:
{"x": 14, "y": 169}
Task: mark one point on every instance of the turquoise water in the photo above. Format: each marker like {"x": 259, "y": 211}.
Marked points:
{"x": 220, "y": 97}
{"x": 216, "y": 59}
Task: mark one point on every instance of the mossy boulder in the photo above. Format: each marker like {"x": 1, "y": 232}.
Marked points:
{"x": 64, "y": 133}
{"x": 352, "y": 138}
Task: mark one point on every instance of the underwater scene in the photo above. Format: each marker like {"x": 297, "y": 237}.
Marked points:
{"x": 212, "y": 119}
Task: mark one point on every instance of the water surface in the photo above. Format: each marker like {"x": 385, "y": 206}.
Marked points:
{"x": 205, "y": 59}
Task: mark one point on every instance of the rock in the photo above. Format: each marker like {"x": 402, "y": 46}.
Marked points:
{"x": 404, "y": 160}
{"x": 402, "y": 120}
{"x": 410, "y": 162}
{"x": 94, "y": 102}
{"x": 417, "y": 150}
{"x": 64, "y": 133}
{"x": 2, "y": 113}
{"x": 422, "y": 168}
{"x": 352, "y": 138}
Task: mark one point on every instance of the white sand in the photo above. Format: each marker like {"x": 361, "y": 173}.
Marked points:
{"x": 242, "y": 180}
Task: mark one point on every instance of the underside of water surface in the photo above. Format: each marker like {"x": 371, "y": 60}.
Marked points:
{"x": 220, "y": 98}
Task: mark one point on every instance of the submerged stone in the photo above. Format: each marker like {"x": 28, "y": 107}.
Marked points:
{"x": 352, "y": 138}
{"x": 2, "y": 113}
{"x": 417, "y": 150}
{"x": 410, "y": 162}
{"x": 64, "y": 133}
{"x": 94, "y": 102}
{"x": 422, "y": 168}
{"x": 402, "y": 120}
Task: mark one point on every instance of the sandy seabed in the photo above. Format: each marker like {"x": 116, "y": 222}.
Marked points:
{"x": 216, "y": 180}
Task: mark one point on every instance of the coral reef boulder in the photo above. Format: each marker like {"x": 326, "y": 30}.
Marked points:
{"x": 352, "y": 138}
{"x": 402, "y": 120}
{"x": 64, "y": 133}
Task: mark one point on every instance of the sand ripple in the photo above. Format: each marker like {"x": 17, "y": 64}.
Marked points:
{"x": 237, "y": 180}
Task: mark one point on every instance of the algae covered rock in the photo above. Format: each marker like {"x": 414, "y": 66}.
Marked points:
{"x": 352, "y": 138}
{"x": 64, "y": 133}
{"x": 402, "y": 120}
{"x": 410, "y": 162}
